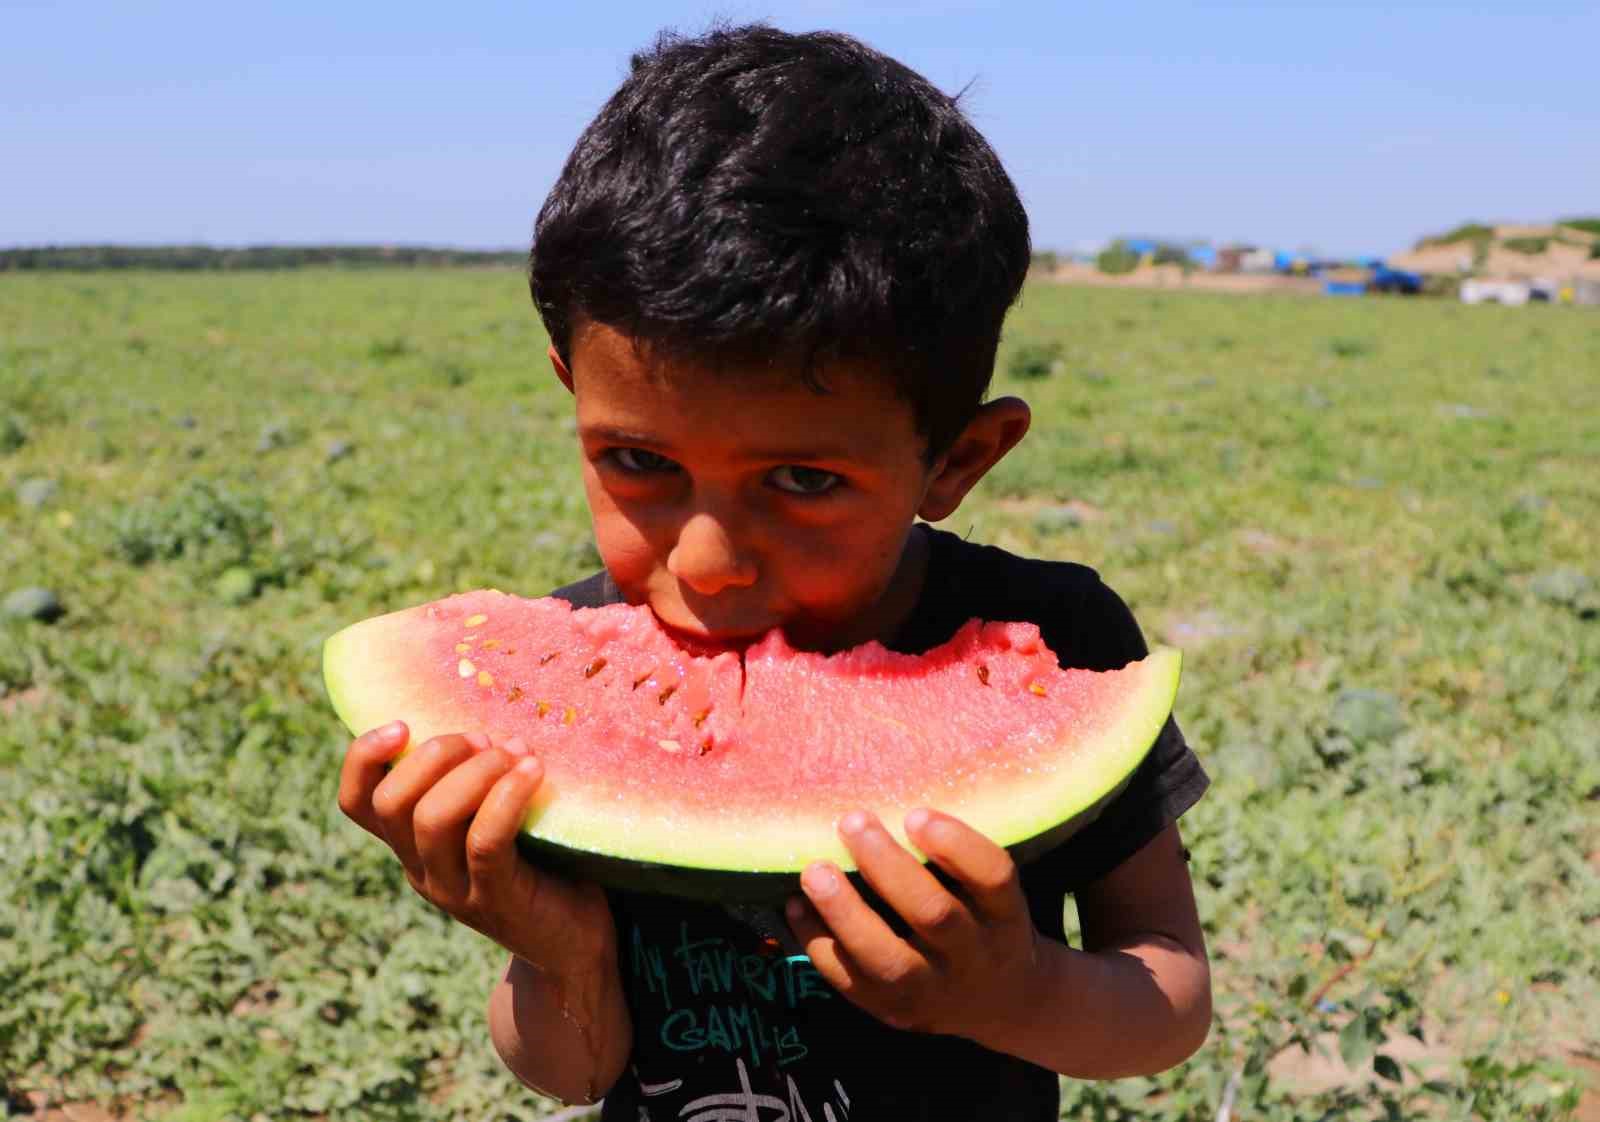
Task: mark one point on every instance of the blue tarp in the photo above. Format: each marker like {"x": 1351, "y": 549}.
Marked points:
{"x": 1396, "y": 280}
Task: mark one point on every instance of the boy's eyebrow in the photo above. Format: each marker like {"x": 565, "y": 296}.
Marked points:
{"x": 616, "y": 435}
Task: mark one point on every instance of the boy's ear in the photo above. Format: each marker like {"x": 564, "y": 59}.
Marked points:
{"x": 992, "y": 432}
{"x": 561, "y": 368}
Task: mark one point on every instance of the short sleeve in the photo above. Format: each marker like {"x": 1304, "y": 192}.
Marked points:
{"x": 1103, "y": 635}
{"x": 592, "y": 592}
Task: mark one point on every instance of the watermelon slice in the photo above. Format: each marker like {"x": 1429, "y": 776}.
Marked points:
{"x": 721, "y": 777}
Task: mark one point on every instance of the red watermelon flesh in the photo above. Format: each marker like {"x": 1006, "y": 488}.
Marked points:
{"x": 656, "y": 756}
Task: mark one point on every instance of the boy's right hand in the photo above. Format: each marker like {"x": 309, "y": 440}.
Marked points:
{"x": 451, "y": 811}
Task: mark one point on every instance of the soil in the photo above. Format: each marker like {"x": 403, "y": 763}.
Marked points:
{"x": 9, "y": 704}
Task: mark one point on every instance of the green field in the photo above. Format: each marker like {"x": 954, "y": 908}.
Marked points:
{"x": 1372, "y": 525}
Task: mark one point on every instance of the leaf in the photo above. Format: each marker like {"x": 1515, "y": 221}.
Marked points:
{"x": 1387, "y": 1068}
{"x": 1355, "y": 1044}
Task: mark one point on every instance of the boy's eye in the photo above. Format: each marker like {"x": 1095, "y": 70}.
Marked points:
{"x": 797, "y": 480}
{"x": 640, "y": 462}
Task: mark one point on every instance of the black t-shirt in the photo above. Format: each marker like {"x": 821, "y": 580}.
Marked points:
{"x": 730, "y": 1019}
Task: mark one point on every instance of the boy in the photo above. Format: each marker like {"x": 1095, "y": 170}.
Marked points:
{"x": 774, "y": 272}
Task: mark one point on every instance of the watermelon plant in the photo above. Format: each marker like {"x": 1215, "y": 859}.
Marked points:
{"x": 1401, "y": 889}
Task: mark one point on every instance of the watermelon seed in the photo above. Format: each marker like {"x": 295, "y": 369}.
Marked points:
{"x": 466, "y": 669}
{"x": 490, "y": 644}
{"x": 569, "y": 716}
{"x": 485, "y": 678}
{"x": 543, "y": 707}
{"x": 511, "y": 650}
{"x": 700, "y": 717}
{"x": 643, "y": 678}
{"x": 670, "y": 745}
{"x": 548, "y": 657}
{"x": 1036, "y": 689}
{"x": 594, "y": 668}
{"x": 515, "y": 694}
{"x": 666, "y": 693}
{"x": 705, "y": 746}
{"x": 463, "y": 648}
{"x": 477, "y": 621}
{"x": 983, "y": 674}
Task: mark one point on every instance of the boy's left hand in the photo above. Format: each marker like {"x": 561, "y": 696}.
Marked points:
{"x": 968, "y": 967}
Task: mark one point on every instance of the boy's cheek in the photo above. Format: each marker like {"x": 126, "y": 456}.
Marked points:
{"x": 625, "y": 552}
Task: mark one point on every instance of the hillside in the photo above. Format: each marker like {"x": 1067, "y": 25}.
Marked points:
{"x": 1564, "y": 250}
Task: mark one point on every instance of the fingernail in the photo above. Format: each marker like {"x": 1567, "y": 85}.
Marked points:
{"x": 392, "y": 731}
{"x": 478, "y": 741}
{"x": 917, "y": 819}
{"x": 528, "y": 766}
{"x": 820, "y": 880}
{"x": 853, "y": 823}
{"x": 516, "y": 746}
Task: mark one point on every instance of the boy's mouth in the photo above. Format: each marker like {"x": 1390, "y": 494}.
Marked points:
{"x": 711, "y": 642}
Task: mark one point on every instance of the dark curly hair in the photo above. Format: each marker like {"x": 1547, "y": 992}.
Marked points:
{"x": 755, "y": 195}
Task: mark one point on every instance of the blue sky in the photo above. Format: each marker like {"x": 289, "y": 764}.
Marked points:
{"x": 1348, "y": 127}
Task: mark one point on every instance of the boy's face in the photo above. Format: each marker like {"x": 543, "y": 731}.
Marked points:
{"x": 736, "y": 501}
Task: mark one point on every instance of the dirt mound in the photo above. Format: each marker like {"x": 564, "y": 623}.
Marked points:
{"x": 1505, "y": 251}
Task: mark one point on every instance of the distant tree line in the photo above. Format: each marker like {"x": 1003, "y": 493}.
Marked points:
{"x": 197, "y": 258}
{"x": 1119, "y": 257}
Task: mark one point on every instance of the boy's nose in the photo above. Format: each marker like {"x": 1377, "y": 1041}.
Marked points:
{"x": 707, "y": 559}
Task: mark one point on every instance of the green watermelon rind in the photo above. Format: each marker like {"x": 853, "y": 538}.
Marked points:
{"x": 582, "y": 844}
{"x": 738, "y": 886}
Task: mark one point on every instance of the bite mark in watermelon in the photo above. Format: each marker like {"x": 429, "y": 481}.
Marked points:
{"x": 722, "y": 777}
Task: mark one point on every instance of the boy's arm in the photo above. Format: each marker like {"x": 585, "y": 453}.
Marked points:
{"x": 1137, "y": 999}
{"x": 565, "y": 1033}
{"x": 451, "y": 810}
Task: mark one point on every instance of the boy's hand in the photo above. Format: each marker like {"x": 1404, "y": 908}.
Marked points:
{"x": 969, "y": 965}
{"x": 451, "y": 811}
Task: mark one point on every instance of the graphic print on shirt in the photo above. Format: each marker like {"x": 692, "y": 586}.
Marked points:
{"x": 707, "y": 999}
{"x": 746, "y": 1105}
{"x": 714, "y": 996}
